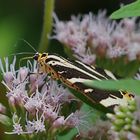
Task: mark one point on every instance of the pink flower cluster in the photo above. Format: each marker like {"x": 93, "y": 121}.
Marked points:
{"x": 91, "y": 36}
{"x": 40, "y": 98}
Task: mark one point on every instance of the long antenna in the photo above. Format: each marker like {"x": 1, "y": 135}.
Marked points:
{"x": 24, "y": 58}
{"x": 20, "y": 53}
{"x": 28, "y": 44}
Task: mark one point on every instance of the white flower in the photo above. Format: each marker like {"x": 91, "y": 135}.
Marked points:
{"x": 38, "y": 124}
{"x": 114, "y": 52}
{"x": 17, "y": 128}
{"x": 133, "y": 50}
{"x": 79, "y": 120}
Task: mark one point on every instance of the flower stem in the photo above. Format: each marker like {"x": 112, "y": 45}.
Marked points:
{"x": 47, "y": 25}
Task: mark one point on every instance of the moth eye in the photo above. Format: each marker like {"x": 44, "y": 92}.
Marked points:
{"x": 43, "y": 55}
{"x": 131, "y": 95}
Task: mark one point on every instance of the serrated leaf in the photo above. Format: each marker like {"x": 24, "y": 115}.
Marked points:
{"x": 131, "y": 85}
{"x": 130, "y": 10}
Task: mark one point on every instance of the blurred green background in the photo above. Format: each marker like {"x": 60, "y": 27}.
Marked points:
{"x": 23, "y": 19}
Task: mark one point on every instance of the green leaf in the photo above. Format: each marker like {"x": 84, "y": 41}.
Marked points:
{"x": 68, "y": 136}
{"x": 94, "y": 114}
{"x": 124, "y": 84}
{"x": 130, "y": 10}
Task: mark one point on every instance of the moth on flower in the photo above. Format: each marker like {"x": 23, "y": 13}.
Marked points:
{"x": 74, "y": 73}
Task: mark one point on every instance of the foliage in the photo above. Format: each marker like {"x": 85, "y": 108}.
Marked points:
{"x": 130, "y": 10}
{"x": 130, "y": 85}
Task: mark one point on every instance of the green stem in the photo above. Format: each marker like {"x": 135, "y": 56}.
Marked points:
{"x": 47, "y": 25}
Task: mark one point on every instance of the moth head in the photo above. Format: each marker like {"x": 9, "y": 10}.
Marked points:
{"x": 39, "y": 56}
{"x": 128, "y": 95}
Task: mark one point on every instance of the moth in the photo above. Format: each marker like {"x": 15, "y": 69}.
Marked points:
{"x": 74, "y": 73}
